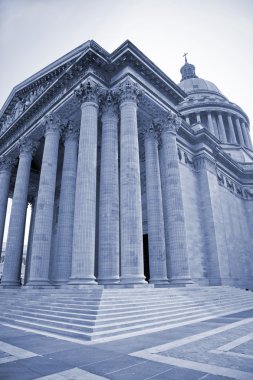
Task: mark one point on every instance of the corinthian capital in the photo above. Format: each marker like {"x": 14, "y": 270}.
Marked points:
{"x": 7, "y": 163}
{"x": 52, "y": 123}
{"x": 168, "y": 124}
{"x": 109, "y": 105}
{"x": 89, "y": 91}
{"x": 149, "y": 132}
{"x": 27, "y": 146}
{"x": 71, "y": 131}
{"x": 129, "y": 91}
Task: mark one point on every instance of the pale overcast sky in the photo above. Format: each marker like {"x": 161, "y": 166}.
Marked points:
{"x": 217, "y": 34}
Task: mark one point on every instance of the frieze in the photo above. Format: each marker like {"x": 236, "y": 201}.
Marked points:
{"x": 185, "y": 157}
{"x": 233, "y": 186}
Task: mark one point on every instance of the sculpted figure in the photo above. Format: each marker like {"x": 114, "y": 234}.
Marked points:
{"x": 19, "y": 108}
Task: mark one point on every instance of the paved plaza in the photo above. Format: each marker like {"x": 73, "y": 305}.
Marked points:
{"x": 221, "y": 348}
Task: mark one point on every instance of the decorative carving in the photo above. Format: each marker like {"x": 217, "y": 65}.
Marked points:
{"x": 187, "y": 159}
{"x": 169, "y": 124}
{"x": 7, "y": 163}
{"x": 109, "y": 104}
{"x": 129, "y": 91}
{"x": 52, "y": 123}
{"x": 230, "y": 184}
{"x": 220, "y": 178}
{"x": 27, "y": 145}
{"x": 70, "y": 132}
{"x": 248, "y": 193}
{"x": 89, "y": 91}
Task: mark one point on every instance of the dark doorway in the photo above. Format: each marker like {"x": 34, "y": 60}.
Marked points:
{"x": 146, "y": 257}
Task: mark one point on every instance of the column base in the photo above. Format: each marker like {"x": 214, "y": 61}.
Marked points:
{"x": 39, "y": 284}
{"x": 108, "y": 281}
{"x": 82, "y": 281}
{"x": 132, "y": 280}
{"x": 159, "y": 281}
{"x": 128, "y": 286}
{"x": 10, "y": 284}
{"x": 181, "y": 281}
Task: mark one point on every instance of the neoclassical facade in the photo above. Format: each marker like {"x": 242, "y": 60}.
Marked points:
{"x": 132, "y": 179}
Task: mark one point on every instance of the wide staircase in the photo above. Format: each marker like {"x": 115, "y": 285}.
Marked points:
{"x": 108, "y": 314}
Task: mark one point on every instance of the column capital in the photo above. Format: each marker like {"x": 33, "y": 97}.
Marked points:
{"x": 70, "y": 132}
{"x": 129, "y": 91}
{"x": 27, "y": 146}
{"x": 89, "y": 91}
{"x": 7, "y": 163}
{"x": 110, "y": 105}
{"x": 168, "y": 124}
{"x": 149, "y": 132}
{"x": 52, "y": 123}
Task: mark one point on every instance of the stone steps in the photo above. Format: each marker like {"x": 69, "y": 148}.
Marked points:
{"x": 136, "y": 313}
{"x": 115, "y": 313}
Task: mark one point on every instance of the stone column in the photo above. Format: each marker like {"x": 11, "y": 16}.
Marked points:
{"x": 187, "y": 119}
{"x": 156, "y": 238}
{"x": 15, "y": 240}
{"x": 231, "y": 130}
{"x": 40, "y": 259}
{"x": 210, "y": 123}
{"x": 246, "y": 135}
{"x": 30, "y": 240}
{"x": 222, "y": 130}
{"x": 132, "y": 269}
{"x": 83, "y": 254}
{"x": 108, "y": 260}
{"x": 63, "y": 255}
{"x": 198, "y": 117}
{"x": 6, "y": 164}
{"x": 239, "y": 131}
{"x": 174, "y": 219}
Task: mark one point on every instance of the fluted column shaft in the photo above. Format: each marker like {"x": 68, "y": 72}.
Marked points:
{"x": 210, "y": 123}
{"x": 83, "y": 254}
{"x": 156, "y": 238}
{"x": 239, "y": 132}
{"x": 30, "y": 240}
{"x": 108, "y": 262}
{"x": 63, "y": 255}
{"x": 130, "y": 189}
{"x": 41, "y": 246}
{"x": 15, "y": 240}
{"x": 5, "y": 175}
{"x": 222, "y": 128}
{"x": 231, "y": 130}
{"x": 174, "y": 220}
{"x": 198, "y": 117}
{"x": 246, "y": 136}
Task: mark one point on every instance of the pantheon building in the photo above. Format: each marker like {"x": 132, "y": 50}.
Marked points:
{"x": 132, "y": 178}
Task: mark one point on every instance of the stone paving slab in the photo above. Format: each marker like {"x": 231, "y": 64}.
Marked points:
{"x": 40, "y": 357}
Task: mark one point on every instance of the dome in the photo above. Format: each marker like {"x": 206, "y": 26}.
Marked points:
{"x": 191, "y": 85}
